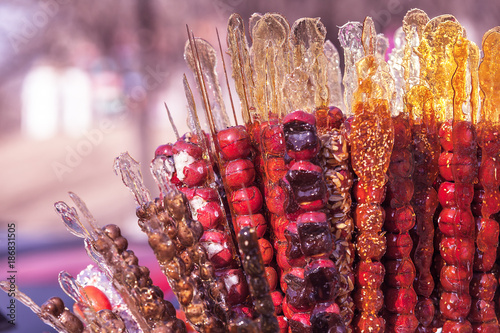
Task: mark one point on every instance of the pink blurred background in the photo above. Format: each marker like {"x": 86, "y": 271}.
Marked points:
{"x": 83, "y": 80}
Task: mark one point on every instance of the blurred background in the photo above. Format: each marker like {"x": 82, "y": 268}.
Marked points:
{"x": 83, "y": 80}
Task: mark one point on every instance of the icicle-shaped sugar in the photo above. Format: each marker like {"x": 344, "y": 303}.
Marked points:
{"x": 381, "y": 46}
{"x": 82, "y": 207}
{"x": 269, "y": 63}
{"x": 350, "y": 40}
{"x": 395, "y": 63}
{"x": 130, "y": 171}
{"x": 489, "y": 77}
{"x": 240, "y": 63}
{"x": 162, "y": 170}
{"x": 473, "y": 63}
{"x": 413, "y": 26}
{"x": 461, "y": 81}
{"x": 308, "y": 39}
{"x": 334, "y": 75}
{"x": 299, "y": 90}
{"x": 438, "y": 64}
{"x": 208, "y": 61}
{"x": 369, "y": 36}
{"x": 71, "y": 220}
{"x": 28, "y": 302}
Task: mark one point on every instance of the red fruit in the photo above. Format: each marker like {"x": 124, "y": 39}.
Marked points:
{"x": 165, "y": 150}
{"x": 399, "y": 220}
{"x": 371, "y": 246}
{"x": 367, "y": 194}
{"x": 276, "y": 169}
{"x": 489, "y": 140}
{"x": 236, "y": 285}
{"x": 369, "y": 217}
{"x": 446, "y": 194}
{"x": 489, "y": 173}
{"x": 282, "y": 260}
{"x": 401, "y": 163}
{"x": 216, "y": 244}
{"x": 457, "y": 251}
{"x": 283, "y": 324}
{"x": 210, "y": 215}
{"x": 246, "y": 201}
{"x": 424, "y": 284}
{"x": 298, "y": 292}
{"x": 300, "y": 322}
{"x": 444, "y": 163}
{"x": 234, "y": 143}
{"x": 457, "y": 327}
{"x": 424, "y": 310}
{"x": 401, "y": 300}
{"x": 454, "y": 306}
{"x": 445, "y": 135}
{"x": 256, "y": 221}
{"x": 239, "y": 173}
{"x": 205, "y": 193}
{"x": 399, "y": 191}
{"x": 266, "y": 250}
{"x": 400, "y": 273}
{"x": 96, "y": 298}
{"x": 273, "y": 140}
{"x": 275, "y": 200}
{"x": 322, "y": 275}
{"x": 487, "y": 235}
{"x": 310, "y": 217}
{"x": 482, "y": 311}
{"x": 188, "y": 148}
{"x": 315, "y": 238}
{"x": 195, "y": 174}
{"x": 455, "y": 279}
{"x": 483, "y": 286}
{"x": 300, "y": 116}
{"x": 369, "y": 322}
{"x": 370, "y": 274}
{"x": 369, "y": 300}
{"x": 279, "y": 224}
{"x": 454, "y": 222}
{"x": 402, "y": 323}
{"x": 484, "y": 261}
{"x": 399, "y": 246}
{"x": 464, "y": 168}
{"x": 464, "y": 135}
{"x": 272, "y": 278}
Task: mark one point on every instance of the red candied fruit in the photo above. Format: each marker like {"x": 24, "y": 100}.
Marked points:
{"x": 455, "y": 279}
{"x": 454, "y": 306}
{"x": 370, "y": 274}
{"x": 365, "y": 193}
{"x": 300, "y": 115}
{"x": 276, "y": 169}
{"x": 195, "y": 174}
{"x": 400, "y": 219}
{"x": 400, "y": 273}
{"x": 446, "y": 194}
{"x": 400, "y": 300}
{"x": 489, "y": 140}
{"x": 457, "y": 251}
{"x": 273, "y": 140}
{"x": 425, "y": 311}
{"x": 451, "y": 326}
{"x": 189, "y": 148}
{"x": 445, "y": 136}
{"x": 272, "y": 278}
{"x": 236, "y": 285}
{"x": 256, "y": 221}
{"x": 234, "y": 143}
{"x": 216, "y": 244}
{"x": 399, "y": 246}
{"x": 266, "y": 250}
{"x": 275, "y": 200}
{"x": 239, "y": 173}
{"x": 454, "y": 222}
{"x": 246, "y": 201}
{"x": 464, "y": 136}
{"x": 445, "y": 166}
{"x": 210, "y": 215}
{"x": 164, "y": 150}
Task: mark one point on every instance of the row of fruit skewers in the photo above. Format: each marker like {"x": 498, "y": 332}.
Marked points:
{"x": 285, "y": 178}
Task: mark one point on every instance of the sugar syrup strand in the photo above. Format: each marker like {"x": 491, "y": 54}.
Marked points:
{"x": 227, "y": 79}
{"x": 171, "y": 121}
{"x": 413, "y": 26}
{"x": 240, "y": 61}
{"x": 201, "y": 82}
{"x": 48, "y": 319}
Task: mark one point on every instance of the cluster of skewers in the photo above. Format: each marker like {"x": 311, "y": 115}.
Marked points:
{"x": 307, "y": 218}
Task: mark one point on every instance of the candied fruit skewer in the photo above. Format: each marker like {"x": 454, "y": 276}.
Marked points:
{"x": 253, "y": 265}
{"x": 310, "y": 282}
{"x": 372, "y": 139}
{"x": 335, "y": 158}
{"x": 400, "y": 296}
{"x": 108, "y": 248}
{"x": 484, "y": 283}
{"x": 233, "y": 150}
{"x": 52, "y": 312}
{"x": 174, "y": 237}
{"x": 419, "y": 102}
